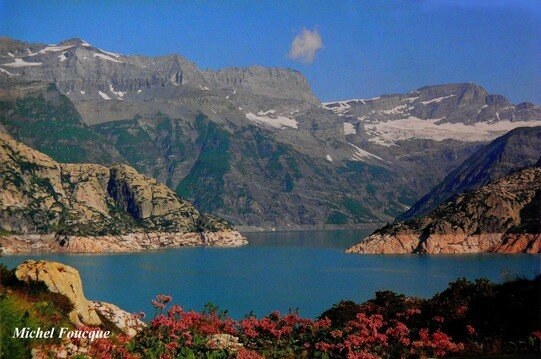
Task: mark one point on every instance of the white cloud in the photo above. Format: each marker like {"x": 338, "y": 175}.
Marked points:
{"x": 305, "y": 45}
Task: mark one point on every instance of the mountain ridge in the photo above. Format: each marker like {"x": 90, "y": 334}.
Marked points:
{"x": 279, "y": 149}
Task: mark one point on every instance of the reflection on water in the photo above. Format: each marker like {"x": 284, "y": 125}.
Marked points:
{"x": 277, "y": 271}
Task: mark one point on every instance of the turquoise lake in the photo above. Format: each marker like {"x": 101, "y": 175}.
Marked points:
{"x": 277, "y": 271}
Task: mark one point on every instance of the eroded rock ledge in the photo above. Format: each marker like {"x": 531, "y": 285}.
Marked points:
{"x": 121, "y": 243}
{"x": 449, "y": 243}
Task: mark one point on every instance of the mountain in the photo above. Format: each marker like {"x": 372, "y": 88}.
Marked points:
{"x": 501, "y": 216}
{"x": 252, "y": 145}
{"x": 464, "y": 112}
{"x": 517, "y": 149}
{"x": 70, "y": 203}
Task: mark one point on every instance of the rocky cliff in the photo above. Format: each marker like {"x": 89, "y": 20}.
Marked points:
{"x": 88, "y": 207}
{"x": 252, "y": 145}
{"x": 502, "y": 216}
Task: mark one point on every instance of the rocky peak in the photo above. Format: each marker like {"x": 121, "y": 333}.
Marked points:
{"x": 74, "y": 42}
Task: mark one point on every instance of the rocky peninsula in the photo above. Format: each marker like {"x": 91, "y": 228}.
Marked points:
{"x": 51, "y": 206}
{"x": 503, "y": 216}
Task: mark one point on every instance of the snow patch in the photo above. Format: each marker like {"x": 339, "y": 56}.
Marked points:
{"x": 105, "y": 57}
{"x": 84, "y": 43}
{"x": 83, "y": 92}
{"x": 22, "y": 63}
{"x": 50, "y": 49}
{"x": 3, "y": 71}
{"x": 349, "y": 129}
{"x": 439, "y": 99}
{"x": 104, "y": 95}
{"x": 482, "y": 108}
{"x": 10, "y": 54}
{"x": 234, "y": 92}
{"x": 340, "y": 107}
{"x": 411, "y": 99}
{"x": 362, "y": 155}
{"x": 396, "y": 110}
{"x": 110, "y": 53}
{"x": 372, "y": 99}
{"x": 118, "y": 93}
{"x": 139, "y": 91}
{"x": 388, "y": 133}
{"x": 62, "y": 57}
{"x": 278, "y": 122}
{"x": 329, "y": 158}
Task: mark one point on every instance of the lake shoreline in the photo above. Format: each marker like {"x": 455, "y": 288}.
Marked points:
{"x": 276, "y": 271}
{"x": 131, "y": 242}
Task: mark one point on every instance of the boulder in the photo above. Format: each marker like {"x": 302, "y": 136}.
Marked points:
{"x": 65, "y": 280}
{"x": 125, "y": 321}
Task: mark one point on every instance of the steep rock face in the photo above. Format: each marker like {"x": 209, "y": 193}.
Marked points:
{"x": 517, "y": 149}
{"x": 266, "y": 146}
{"x": 81, "y": 202}
{"x": 502, "y": 216}
{"x": 65, "y": 280}
{"x": 89, "y": 75}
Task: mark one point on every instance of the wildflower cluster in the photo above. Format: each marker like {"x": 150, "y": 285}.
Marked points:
{"x": 468, "y": 318}
{"x": 175, "y": 332}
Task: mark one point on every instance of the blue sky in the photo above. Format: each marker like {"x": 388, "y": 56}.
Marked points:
{"x": 369, "y": 47}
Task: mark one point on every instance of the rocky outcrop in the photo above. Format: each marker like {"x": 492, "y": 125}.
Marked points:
{"x": 127, "y": 322}
{"x": 516, "y": 149}
{"x": 45, "y": 205}
{"x": 224, "y": 342}
{"x": 65, "y": 280}
{"x": 502, "y": 216}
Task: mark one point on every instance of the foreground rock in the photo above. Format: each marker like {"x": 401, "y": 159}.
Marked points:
{"x": 125, "y": 321}
{"x": 49, "y": 206}
{"x": 65, "y": 280}
{"x": 502, "y": 216}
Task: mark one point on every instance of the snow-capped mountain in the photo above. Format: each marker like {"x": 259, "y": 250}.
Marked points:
{"x": 464, "y": 112}
{"x": 254, "y": 144}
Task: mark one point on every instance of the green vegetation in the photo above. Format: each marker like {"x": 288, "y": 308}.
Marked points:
{"x": 204, "y": 184}
{"x": 355, "y": 208}
{"x": 337, "y": 217}
{"x": 67, "y": 139}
